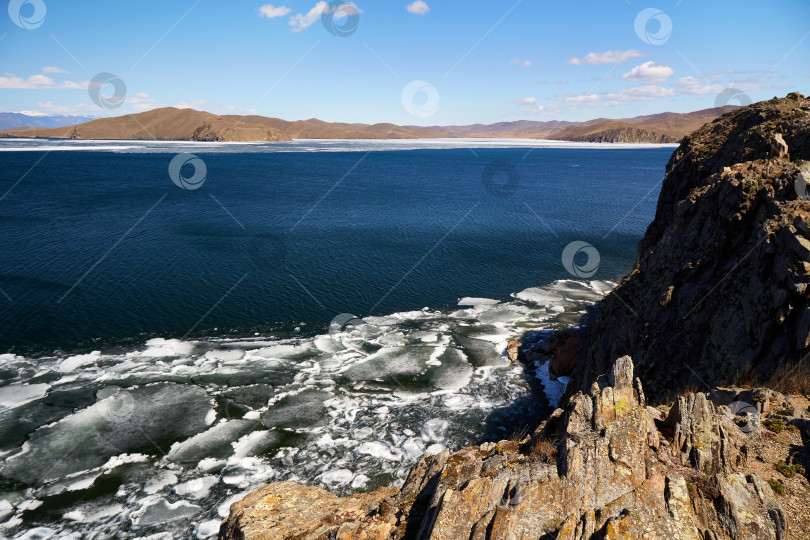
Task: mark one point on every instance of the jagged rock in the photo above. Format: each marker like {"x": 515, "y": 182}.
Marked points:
{"x": 700, "y": 439}
{"x": 617, "y": 475}
{"x": 512, "y": 349}
{"x": 719, "y": 289}
{"x": 289, "y": 510}
{"x": 779, "y": 147}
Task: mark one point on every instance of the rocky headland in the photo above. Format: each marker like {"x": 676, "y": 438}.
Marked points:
{"x": 649, "y": 442}
{"x": 719, "y": 291}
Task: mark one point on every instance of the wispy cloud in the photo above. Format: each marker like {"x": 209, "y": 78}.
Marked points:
{"x": 521, "y": 63}
{"x": 612, "y": 99}
{"x": 537, "y": 109}
{"x": 418, "y": 7}
{"x": 38, "y": 82}
{"x": 607, "y": 57}
{"x": 49, "y": 107}
{"x": 693, "y": 85}
{"x": 270, "y": 11}
{"x": 649, "y": 72}
{"x": 53, "y": 69}
{"x": 301, "y": 21}
{"x": 527, "y": 101}
{"x": 142, "y": 101}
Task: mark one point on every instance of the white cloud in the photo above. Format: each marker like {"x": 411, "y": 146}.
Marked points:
{"x": 528, "y": 101}
{"x": 642, "y": 93}
{"x": 301, "y": 21}
{"x": 270, "y": 11}
{"x": 693, "y": 85}
{"x": 142, "y": 101}
{"x": 37, "y": 82}
{"x": 418, "y": 7}
{"x": 587, "y": 97}
{"x": 521, "y": 63}
{"x": 608, "y": 57}
{"x": 53, "y": 69}
{"x": 611, "y": 99}
{"x": 49, "y": 107}
{"x": 751, "y": 86}
{"x": 649, "y": 72}
{"x": 534, "y": 110}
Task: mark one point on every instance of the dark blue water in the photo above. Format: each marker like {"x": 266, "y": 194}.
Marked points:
{"x": 101, "y": 247}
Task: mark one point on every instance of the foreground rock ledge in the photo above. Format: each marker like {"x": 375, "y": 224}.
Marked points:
{"x": 607, "y": 466}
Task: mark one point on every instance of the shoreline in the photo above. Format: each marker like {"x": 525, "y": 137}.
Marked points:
{"x": 317, "y": 145}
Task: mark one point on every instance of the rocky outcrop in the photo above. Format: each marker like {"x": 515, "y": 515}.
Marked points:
{"x": 626, "y": 135}
{"x": 606, "y": 466}
{"x": 719, "y": 291}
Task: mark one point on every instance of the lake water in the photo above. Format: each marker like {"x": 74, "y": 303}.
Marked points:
{"x": 324, "y": 311}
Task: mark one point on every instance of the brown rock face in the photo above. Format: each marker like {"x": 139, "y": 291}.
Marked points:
{"x": 719, "y": 290}
{"x": 619, "y": 473}
{"x": 626, "y": 135}
{"x": 512, "y": 349}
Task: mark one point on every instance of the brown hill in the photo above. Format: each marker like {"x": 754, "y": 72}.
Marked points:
{"x": 162, "y": 124}
{"x": 187, "y": 124}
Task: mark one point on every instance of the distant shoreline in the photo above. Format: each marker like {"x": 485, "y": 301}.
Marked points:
{"x": 29, "y": 144}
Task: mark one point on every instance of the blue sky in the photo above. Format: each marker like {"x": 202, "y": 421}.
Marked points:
{"x": 480, "y": 61}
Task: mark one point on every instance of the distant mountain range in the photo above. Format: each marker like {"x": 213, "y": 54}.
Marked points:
{"x": 12, "y": 119}
{"x": 188, "y": 124}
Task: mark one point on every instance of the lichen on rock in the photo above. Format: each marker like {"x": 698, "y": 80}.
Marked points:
{"x": 620, "y": 473}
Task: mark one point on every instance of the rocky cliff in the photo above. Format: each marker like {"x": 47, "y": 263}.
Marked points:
{"x": 626, "y": 135}
{"x": 719, "y": 290}
{"x": 606, "y": 466}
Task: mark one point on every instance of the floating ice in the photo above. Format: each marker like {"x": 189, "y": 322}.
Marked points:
{"x": 305, "y": 409}
{"x": 160, "y": 510}
{"x": 94, "y": 514}
{"x": 554, "y": 389}
{"x": 225, "y": 508}
{"x": 6, "y": 509}
{"x": 344, "y": 411}
{"x": 196, "y": 488}
{"x": 337, "y": 477}
{"x": 73, "y": 362}
{"x": 380, "y": 450}
{"x": 208, "y": 529}
{"x": 38, "y": 533}
{"x": 162, "y": 413}
{"x": 165, "y": 478}
{"x": 15, "y": 395}
{"x": 215, "y": 442}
